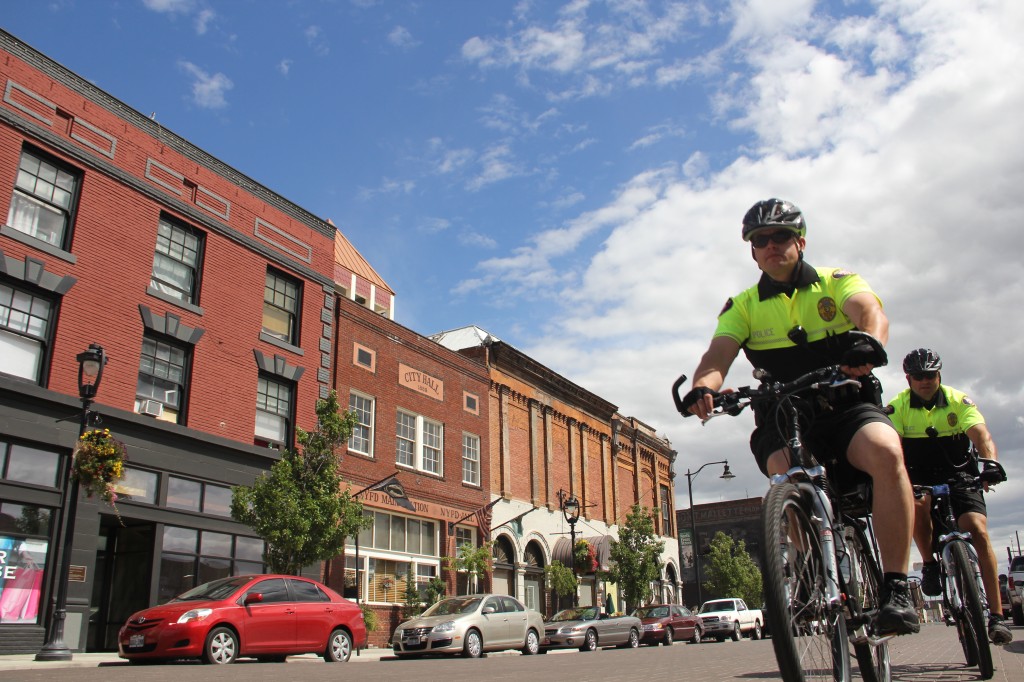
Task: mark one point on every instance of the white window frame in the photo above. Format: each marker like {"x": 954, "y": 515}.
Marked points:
{"x": 427, "y": 444}
{"x": 368, "y": 553}
{"x": 470, "y": 459}
{"x": 26, "y": 331}
{"x": 366, "y": 429}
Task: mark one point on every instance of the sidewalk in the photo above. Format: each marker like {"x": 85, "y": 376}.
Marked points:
{"x": 28, "y": 662}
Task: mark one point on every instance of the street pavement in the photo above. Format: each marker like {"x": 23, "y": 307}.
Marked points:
{"x": 934, "y": 655}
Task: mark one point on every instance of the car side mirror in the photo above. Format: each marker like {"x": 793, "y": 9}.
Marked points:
{"x": 488, "y": 609}
{"x": 253, "y": 598}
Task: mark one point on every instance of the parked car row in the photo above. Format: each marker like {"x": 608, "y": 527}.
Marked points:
{"x": 271, "y": 617}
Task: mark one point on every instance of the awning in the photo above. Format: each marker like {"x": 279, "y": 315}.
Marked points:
{"x": 602, "y": 545}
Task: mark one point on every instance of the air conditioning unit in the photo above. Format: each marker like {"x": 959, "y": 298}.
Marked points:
{"x": 151, "y": 408}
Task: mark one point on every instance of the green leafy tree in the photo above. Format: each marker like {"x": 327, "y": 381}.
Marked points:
{"x": 561, "y": 579}
{"x": 475, "y": 561}
{"x": 413, "y": 605}
{"x": 730, "y": 571}
{"x": 635, "y": 557}
{"x": 435, "y": 590}
{"x": 299, "y": 507}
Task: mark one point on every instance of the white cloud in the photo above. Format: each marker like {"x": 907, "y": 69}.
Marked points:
{"x": 401, "y": 37}
{"x": 203, "y": 20}
{"x": 496, "y": 163}
{"x": 169, "y": 6}
{"x": 477, "y": 240}
{"x": 317, "y": 41}
{"x": 284, "y": 66}
{"x": 208, "y": 90}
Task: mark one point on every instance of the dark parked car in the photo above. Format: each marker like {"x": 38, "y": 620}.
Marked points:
{"x": 269, "y": 617}
{"x": 665, "y": 623}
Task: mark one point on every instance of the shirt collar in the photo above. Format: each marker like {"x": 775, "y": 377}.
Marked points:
{"x": 803, "y": 275}
{"x": 939, "y": 400}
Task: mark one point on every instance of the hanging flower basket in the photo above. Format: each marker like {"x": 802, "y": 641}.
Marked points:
{"x": 98, "y": 464}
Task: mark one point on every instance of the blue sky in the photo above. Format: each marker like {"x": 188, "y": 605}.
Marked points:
{"x": 571, "y": 176}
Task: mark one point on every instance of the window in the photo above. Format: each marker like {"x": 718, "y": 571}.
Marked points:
{"x": 470, "y": 403}
{"x": 666, "y": 511}
{"x": 470, "y": 459}
{"x": 419, "y": 442}
{"x": 23, "y": 560}
{"x": 176, "y": 261}
{"x": 281, "y": 308}
{"x": 273, "y": 413}
{"x": 364, "y": 357}
{"x": 25, "y": 464}
{"x": 137, "y": 486}
{"x": 163, "y": 371}
{"x": 190, "y": 557}
{"x": 464, "y": 536}
{"x": 361, "y": 439}
{"x": 25, "y": 332}
{"x": 44, "y": 199}
{"x": 209, "y": 498}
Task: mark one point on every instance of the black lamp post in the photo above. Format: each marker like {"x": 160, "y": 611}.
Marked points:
{"x": 90, "y": 372}
{"x": 571, "y": 511}
{"x": 727, "y": 475}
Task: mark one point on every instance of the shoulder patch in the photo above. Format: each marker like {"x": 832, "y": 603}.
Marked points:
{"x": 839, "y": 274}
{"x": 728, "y": 304}
{"x": 968, "y": 401}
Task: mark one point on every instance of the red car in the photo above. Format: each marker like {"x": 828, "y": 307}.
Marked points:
{"x": 665, "y": 623}
{"x": 268, "y": 617}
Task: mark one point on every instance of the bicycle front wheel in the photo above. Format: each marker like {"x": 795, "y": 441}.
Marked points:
{"x": 864, "y": 591}
{"x": 808, "y": 633}
{"x": 968, "y": 579}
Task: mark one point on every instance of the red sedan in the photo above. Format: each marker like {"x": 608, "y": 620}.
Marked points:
{"x": 665, "y": 623}
{"x": 268, "y": 617}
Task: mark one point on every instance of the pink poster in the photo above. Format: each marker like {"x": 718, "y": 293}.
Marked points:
{"x": 21, "y": 579}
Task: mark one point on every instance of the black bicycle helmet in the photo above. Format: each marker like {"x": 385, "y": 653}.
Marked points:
{"x": 922, "y": 360}
{"x": 773, "y": 213}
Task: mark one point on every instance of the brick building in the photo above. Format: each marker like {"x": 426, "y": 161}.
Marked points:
{"x": 214, "y": 300}
{"x": 550, "y": 438}
{"x": 739, "y": 519}
{"x": 423, "y": 415}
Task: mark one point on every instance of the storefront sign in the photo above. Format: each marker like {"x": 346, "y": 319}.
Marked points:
{"x": 76, "y": 574}
{"x": 375, "y": 498}
{"x": 420, "y": 382}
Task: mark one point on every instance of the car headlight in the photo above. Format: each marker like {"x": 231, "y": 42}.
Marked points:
{"x": 195, "y": 615}
{"x": 573, "y": 628}
{"x": 446, "y": 626}
{"x": 656, "y": 626}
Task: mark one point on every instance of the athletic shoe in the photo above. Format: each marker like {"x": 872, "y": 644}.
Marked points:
{"x": 897, "y": 614}
{"x": 997, "y": 632}
{"x": 930, "y": 584}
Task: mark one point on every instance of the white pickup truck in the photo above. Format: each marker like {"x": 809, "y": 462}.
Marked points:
{"x": 723, "y": 618}
{"x": 1016, "y": 588}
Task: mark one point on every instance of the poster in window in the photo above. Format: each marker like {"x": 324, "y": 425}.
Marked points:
{"x": 21, "y": 578}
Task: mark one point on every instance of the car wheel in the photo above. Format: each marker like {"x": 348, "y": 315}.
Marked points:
{"x": 697, "y": 635}
{"x": 669, "y": 637}
{"x": 736, "y": 633}
{"x": 589, "y": 641}
{"x": 634, "y": 638}
{"x": 221, "y": 646}
{"x": 474, "y": 645}
{"x": 339, "y": 647}
{"x": 756, "y": 634}
{"x": 532, "y": 643}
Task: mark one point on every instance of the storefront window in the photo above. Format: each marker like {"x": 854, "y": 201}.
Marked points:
{"x": 191, "y": 557}
{"x": 183, "y": 493}
{"x": 22, "y": 560}
{"x": 31, "y": 465}
{"x": 137, "y": 486}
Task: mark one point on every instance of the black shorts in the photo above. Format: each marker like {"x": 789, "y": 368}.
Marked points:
{"x": 828, "y": 439}
{"x": 962, "y": 501}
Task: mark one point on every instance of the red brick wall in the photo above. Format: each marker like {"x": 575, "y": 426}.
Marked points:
{"x": 114, "y": 239}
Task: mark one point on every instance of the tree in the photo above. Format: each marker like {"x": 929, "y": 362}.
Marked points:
{"x": 730, "y": 571}
{"x": 299, "y": 507}
{"x": 635, "y": 557}
{"x": 476, "y": 561}
{"x": 413, "y": 604}
{"x": 561, "y": 578}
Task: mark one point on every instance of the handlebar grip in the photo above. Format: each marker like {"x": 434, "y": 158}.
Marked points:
{"x": 676, "y": 398}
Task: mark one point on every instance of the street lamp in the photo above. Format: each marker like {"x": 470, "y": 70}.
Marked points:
{"x": 727, "y": 475}
{"x": 571, "y": 511}
{"x": 90, "y": 372}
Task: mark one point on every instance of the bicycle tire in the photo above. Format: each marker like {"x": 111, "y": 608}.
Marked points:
{"x": 809, "y": 637}
{"x": 973, "y": 606}
{"x": 864, "y": 592}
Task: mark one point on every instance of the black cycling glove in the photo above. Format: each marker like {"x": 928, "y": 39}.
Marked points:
{"x": 863, "y": 353}
{"x": 695, "y": 394}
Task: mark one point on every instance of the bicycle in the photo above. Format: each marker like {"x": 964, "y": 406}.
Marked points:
{"x": 822, "y": 584}
{"x": 964, "y": 601}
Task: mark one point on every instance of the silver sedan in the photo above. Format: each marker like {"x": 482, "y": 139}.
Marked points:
{"x": 470, "y": 625}
{"x": 588, "y": 629}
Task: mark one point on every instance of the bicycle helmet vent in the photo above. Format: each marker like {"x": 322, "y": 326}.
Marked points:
{"x": 922, "y": 360}
{"x": 773, "y": 213}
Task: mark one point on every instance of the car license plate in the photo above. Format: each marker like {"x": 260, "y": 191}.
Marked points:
{"x": 136, "y": 641}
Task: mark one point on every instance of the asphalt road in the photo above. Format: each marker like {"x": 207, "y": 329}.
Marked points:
{"x": 934, "y": 655}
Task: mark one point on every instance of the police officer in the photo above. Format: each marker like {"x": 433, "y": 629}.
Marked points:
{"x": 794, "y": 320}
{"x": 939, "y": 424}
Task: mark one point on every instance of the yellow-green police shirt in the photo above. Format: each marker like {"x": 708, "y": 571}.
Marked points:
{"x": 760, "y": 320}
{"x": 952, "y": 414}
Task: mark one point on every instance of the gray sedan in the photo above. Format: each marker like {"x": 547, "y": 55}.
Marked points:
{"x": 588, "y": 629}
{"x": 470, "y": 625}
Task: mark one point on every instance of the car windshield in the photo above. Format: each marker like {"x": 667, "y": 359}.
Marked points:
{"x": 449, "y": 607}
{"x": 712, "y": 606}
{"x": 575, "y": 614}
{"x": 652, "y": 612}
{"x": 215, "y": 590}
{"x": 1017, "y": 564}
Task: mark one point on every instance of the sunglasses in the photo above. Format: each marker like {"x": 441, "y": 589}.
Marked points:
{"x": 781, "y": 237}
{"x": 923, "y": 376}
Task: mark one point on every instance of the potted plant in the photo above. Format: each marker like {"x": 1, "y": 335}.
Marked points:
{"x": 98, "y": 464}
